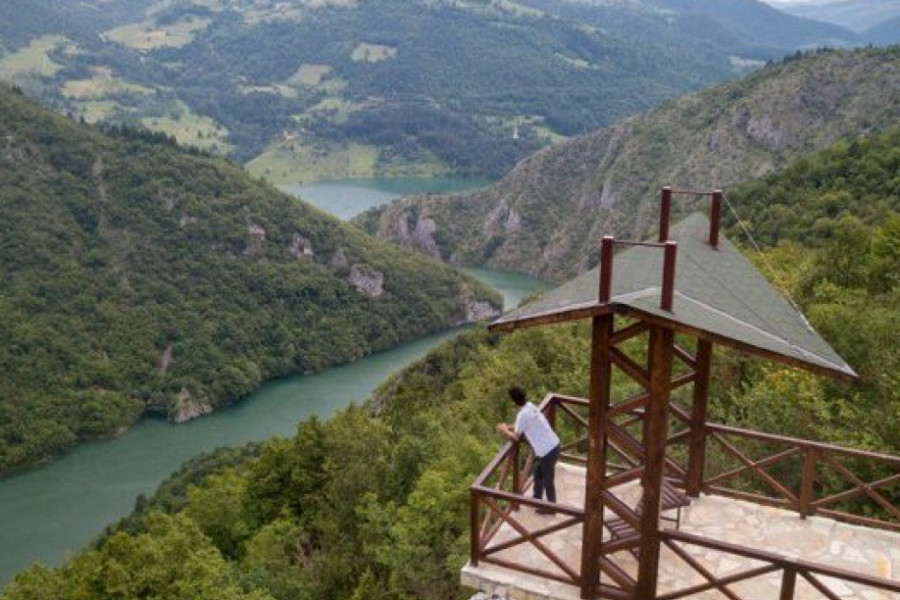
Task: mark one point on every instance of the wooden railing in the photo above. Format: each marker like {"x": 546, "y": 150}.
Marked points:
{"x": 498, "y": 494}
{"x": 783, "y": 573}
{"x": 811, "y": 478}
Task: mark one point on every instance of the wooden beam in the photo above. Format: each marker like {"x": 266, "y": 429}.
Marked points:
{"x": 662, "y": 342}
{"x": 574, "y": 314}
{"x": 697, "y": 451}
{"x": 600, "y": 385}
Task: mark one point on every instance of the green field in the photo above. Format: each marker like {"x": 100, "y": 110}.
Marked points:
{"x": 34, "y": 58}
{"x": 309, "y": 74}
{"x": 102, "y": 83}
{"x": 290, "y": 162}
{"x": 146, "y": 36}
{"x": 191, "y": 129}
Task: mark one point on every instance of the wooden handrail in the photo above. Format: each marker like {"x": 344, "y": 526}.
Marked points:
{"x": 780, "y": 560}
{"x": 801, "y": 443}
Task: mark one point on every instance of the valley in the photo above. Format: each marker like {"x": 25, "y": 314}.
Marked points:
{"x": 382, "y": 88}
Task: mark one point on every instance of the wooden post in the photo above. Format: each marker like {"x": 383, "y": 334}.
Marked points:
{"x": 514, "y": 465}
{"x": 715, "y": 217}
{"x": 474, "y": 532}
{"x": 607, "y": 245}
{"x": 806, "y": 482}
{"x": 668, "y": 281}
{"x": 551, "y": 413}
{"x": 788, "y": 584}
{"x": 697, "y": 452}
{"x": 665, "y": 212}
{"x": 601, "y": 377}
{"x": 662, "y": 343}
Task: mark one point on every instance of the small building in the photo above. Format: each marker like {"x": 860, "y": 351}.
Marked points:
{"x": 656, "y": 502}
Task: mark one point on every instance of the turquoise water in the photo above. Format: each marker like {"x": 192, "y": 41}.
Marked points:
{"x": 348, "y": 198}
{"x": 55, "y": 509}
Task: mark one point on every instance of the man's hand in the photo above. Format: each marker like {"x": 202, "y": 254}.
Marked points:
{"x": 504, "y": 429}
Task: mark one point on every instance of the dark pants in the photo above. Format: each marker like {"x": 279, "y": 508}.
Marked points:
{"x": 544, "y": 471}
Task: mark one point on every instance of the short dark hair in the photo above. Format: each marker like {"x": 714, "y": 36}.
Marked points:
{"x": 517, "y": 395}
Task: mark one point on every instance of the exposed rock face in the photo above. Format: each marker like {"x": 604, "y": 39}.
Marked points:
{"x": 420, "y": 236}
{"x": 165, "y": 359}
{"x": 186, "y": 219}
{"x": 550, "y": 211}
{"x": 257, "y": 238}
{"x": 339, "y": 260}
{"x": 476, "y": 310}
{"x": 301, "y": 247}
{"x": 187, "y": 408}
{"x": 367, "y": 280}
{"x": 766, "y": 132}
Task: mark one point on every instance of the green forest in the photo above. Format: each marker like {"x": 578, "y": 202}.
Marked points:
{"x": 468, "y": 87}
{"x": 142, "y": 279}
{"x": 347, "y": 506}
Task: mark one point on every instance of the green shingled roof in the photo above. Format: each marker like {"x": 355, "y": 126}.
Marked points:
{"x": 718, "y": 293}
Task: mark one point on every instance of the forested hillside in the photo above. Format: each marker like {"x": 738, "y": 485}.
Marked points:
{"x": 374, "y": 502}
{"x": 312, "y": 90}
{"x": 545, "y": 216}
{"x": 138, "y": 278}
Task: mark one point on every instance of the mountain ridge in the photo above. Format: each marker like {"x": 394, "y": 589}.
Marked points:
{"x": 546, "y": 215}
{"x": 142, "y": 279}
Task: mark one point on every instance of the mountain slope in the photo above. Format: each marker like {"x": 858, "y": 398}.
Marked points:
{"x": 856, "y": 15}
{"x": 311, "y": 90}
{"x": 138, "y": 278}
{"x": 374, "y": 502}
{"x": 886, "y": 32}
{"x": 546, "y": 215}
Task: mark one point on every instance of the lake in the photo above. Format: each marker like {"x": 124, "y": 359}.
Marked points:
{"x": 348, "y": 198}
{"x": 57, "y": 508}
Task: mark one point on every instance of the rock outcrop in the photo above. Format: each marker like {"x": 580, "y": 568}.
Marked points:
{"x": 367, "y": 280}
{"x": 187, "y": 407}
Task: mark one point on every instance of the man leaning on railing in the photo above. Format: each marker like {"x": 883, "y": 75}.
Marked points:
{"x": 531, "y": 423}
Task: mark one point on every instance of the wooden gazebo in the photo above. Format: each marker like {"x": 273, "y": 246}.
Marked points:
{"x": 682, "y": 293}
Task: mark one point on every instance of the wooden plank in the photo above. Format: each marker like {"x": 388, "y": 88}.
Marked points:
{"x": 523, "y": 531}
{"x": 704, "y": 572}
{"x": 801, "y": 443}
{"x": 725, "y": 580}
{"x": 630, "y": 368}
{"x": 697, "y": 444}
{"x": 601, "y": 380}
{"x": 773, "y": 483}
{"x": 788, "y": 584}
{"x": 660, "y": 353}
{"x": 821, "y": 587}
{"x": 548, "y": 318}
{"x": 765, "y": 462}
{"x": 508, "y": 564}
{"x": 629, "y": 332}
{"x": 537, "y": 534}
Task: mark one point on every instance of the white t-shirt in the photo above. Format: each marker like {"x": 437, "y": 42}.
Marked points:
{"x": 534, "y": 426}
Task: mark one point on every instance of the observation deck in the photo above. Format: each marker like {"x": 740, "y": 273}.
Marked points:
{"x": 657, "y": 503}
{"x": 731, "y": 543}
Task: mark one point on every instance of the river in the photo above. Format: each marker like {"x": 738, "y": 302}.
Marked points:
{"x": 57, "y": 508}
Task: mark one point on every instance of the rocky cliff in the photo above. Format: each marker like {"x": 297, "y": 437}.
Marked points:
{"x": 546, "y": 215}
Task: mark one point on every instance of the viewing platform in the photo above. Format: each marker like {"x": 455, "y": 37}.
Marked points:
{"x": 655, "y": 501}
{"x": 723, "y": 547}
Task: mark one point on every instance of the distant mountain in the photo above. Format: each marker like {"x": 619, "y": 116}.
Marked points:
{"x": 856, "y": 15}
{"x": 312, "y": 90}
{"x": 546, "y": 215}
{"x": 138, "y": 279}
{"x": 886, "y": 32}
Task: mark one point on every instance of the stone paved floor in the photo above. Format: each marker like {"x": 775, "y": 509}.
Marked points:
{"x": 819, "y": 540}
